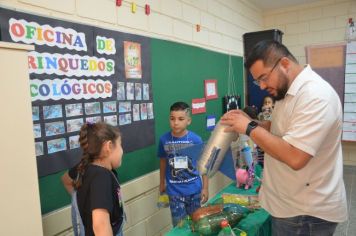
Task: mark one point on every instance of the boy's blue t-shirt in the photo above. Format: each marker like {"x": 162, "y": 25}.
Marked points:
{"x": 182, "y": 181}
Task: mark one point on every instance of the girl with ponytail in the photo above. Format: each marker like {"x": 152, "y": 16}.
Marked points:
{"x": 93, "y": 182}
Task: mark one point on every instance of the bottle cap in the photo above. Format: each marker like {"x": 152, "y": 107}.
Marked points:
{"x": 224, "y": 223}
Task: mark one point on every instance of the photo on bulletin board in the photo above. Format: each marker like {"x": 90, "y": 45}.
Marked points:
{"x": 210, "y": 89}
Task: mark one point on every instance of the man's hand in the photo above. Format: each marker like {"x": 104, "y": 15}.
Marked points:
{"x": 237, "y": 121}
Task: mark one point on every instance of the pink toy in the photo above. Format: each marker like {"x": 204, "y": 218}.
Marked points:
{"x": 245, "y": 173}
{"x": 243, "y": 177}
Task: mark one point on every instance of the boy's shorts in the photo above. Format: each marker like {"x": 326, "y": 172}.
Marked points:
{"x": 181, "y": 206}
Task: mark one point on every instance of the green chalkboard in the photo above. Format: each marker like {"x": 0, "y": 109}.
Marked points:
{"x": 178, "y": 74}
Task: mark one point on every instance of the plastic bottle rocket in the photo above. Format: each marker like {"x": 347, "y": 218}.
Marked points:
{"x": 226, "y": 229}
{"x": 211, "y": 224}
{"x": 214, "y": 151}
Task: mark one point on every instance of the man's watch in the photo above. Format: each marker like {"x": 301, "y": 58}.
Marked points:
{"x": 250, "y": 127}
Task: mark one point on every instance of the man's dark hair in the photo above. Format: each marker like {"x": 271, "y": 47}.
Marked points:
{"x": 180, "y": 106}
{"x": 269, "y": 51}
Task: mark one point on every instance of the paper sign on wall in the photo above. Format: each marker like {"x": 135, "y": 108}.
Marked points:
{"x": 210, "y": 89}
{"x": 198, "y": 105}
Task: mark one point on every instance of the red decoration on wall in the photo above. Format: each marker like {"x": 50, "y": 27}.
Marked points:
{"x": 210, "y": 89}
{"x": 198, "y": 28}
{"x": 147, "y": 9}
{"x": 118, "y": 3}
{"x": 198, "y": 105}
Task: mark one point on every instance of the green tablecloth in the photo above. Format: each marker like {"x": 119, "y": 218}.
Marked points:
{"x": 256, "y": 223}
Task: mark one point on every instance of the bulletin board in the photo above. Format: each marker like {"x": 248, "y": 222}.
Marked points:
{"x": 82, "y": 74}
{"x": 336, "y": 64}
{"x": 349, "y": 125}
{"x": 175, "y": 72}
{"x": 329, "y": 62}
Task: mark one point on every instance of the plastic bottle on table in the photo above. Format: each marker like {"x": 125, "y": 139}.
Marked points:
{"x": 211, "y": 224}
{"x": 226, "y": 229}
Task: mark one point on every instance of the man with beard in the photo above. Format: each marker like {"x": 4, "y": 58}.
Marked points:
{"x": 303, "y": 186}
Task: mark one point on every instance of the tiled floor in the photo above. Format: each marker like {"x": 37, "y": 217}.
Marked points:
{"x": 348, "y": 228}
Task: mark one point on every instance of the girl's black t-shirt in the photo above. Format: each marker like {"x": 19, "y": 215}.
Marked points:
{"x": 100, "y": 189}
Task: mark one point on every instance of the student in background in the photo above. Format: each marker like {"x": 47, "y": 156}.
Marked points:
{"x": 179, "y": 177}
{"x": 267, "y": 108}
{"x": 264, "y": 115}
{"x": 303, "y": 187}
{"x": 95, "y": 182}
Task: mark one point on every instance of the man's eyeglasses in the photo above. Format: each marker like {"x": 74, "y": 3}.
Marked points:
{"x": 265, "y": 78}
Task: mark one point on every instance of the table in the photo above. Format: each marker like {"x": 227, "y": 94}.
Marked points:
{"x": 256, "y": 223}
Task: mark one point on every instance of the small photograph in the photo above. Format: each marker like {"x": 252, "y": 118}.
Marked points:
{"x": 136, "y": 112}
{"x": 35, "y": 113}
{"x": 124, "y": 107}
{"x": 54, "y": 128}
{"x": 143, "y": 111}
{"x": 146, "y": 91}
{"x": 53, "y": 111}
{"x": 120, "y": 91}
{"x": 130, "y": 91}
{"x": 74, "y": 109}
{"x": 92, "y": 108}
{"x": 74, "y": 142}
{"x": 74, "y": 125}
{"x": 138, "y": 91}
{"x": 56, "y": 145}
{"x": 111, "y": 120}
{"x": 39, "y": 148}
{"x": 94, "y": 119}
{"x": 109, "y": 107}
{"x": 125, "y": 119}
{"x": 132, "y": 59}
{"x": 37, "y": 130}
{"x": 150, "y": 110}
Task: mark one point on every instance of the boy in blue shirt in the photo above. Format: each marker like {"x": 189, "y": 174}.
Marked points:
{"x": 179, "y": 177}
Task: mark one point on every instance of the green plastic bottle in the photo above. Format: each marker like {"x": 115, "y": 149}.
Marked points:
{"x": 211, "y": 224}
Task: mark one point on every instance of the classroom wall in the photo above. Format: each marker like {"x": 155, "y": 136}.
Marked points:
{"x": 222, "y": 21}
{"x": 322, "y": 22}
{"x": 222, "y": 24}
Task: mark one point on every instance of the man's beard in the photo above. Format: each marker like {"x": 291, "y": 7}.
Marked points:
{"x": 283, "y": 88}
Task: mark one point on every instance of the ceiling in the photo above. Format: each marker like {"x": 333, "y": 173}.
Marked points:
{"x": 275, "y": 4}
